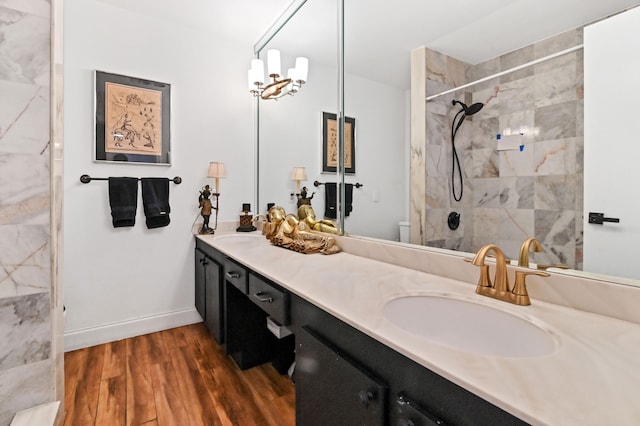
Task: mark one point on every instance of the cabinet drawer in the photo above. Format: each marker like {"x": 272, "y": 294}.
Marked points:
{"x": 271, "y": 299}
{"x": 236, "y": 274}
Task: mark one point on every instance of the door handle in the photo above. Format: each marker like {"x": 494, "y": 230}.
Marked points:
{"x": 599, "y": 219}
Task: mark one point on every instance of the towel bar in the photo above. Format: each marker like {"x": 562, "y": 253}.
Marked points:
{"x": 86, "y": 179}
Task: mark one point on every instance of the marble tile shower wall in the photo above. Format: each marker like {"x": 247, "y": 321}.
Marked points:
{"x": 510, "y": 195}
{"x": 26, "y": 367}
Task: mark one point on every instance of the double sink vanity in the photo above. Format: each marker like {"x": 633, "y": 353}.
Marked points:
{"x": 388, "y": 334}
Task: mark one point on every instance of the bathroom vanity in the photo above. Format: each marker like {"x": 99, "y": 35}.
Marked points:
{"x": 356, "y": 362}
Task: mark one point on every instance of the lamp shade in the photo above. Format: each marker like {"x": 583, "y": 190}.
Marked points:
{"x": 273, "y": 62}
{"x": 302, "y": 69}
{"x": 299, "y": 173}
{"x": 216, "y": 170}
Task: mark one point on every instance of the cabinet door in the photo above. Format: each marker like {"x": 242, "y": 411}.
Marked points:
{"x": 332, "y": 389}
{"x": 412, "y": 414}
{"x": 213, "y": 298}
{"x": 200, "y": 265}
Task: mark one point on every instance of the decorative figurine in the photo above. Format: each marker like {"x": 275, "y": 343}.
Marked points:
{"x": 308, "y": 216}
{"x": 285, "y": 230}
{"x": 302, "y": 197}
{"x": 205, "y": 210}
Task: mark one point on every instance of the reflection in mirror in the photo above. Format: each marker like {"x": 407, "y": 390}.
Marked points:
{"x": 290, "y": 128}
{"x": 509, "y": 194}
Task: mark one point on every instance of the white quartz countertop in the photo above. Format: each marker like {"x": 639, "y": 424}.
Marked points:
{"x": 592, "y": 377}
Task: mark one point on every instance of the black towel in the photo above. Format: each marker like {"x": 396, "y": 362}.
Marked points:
{"x": 155, "y": 200}
{"x": 348, "y": 198}
{"x": 123, "y": 199}
{"x": 330, "y": 200}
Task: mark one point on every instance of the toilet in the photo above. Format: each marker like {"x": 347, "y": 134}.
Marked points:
{"x": 404, "y": 231}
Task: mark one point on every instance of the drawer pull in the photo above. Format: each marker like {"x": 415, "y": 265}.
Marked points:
{"x": 233, "y": 275}
{"x": 263, "y": 297}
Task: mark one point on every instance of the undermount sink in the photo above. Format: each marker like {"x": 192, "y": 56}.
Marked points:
{"x": 469, "y": 326}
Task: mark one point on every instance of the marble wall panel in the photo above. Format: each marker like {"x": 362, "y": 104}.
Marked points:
{"x": 516, "y": 192}
{"x": 556, "y": 121}
{"x": 24, "y": 47}
{"x": 24, "y": 112}
{"x": 24, "y": 330}
{"x": 27, "y": 369}
{"x": 24, "y": 387}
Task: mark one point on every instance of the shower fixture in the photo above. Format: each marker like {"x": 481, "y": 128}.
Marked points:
{"x": 465, "y": 112}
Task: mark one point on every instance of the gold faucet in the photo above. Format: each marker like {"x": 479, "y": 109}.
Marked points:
{"x": 531, "y": 242}
{"x": 500, "y": 289}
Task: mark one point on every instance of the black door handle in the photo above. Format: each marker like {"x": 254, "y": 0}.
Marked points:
{"x": 599, "y": 219}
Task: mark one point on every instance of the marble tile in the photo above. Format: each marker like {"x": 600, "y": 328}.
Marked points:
{"x": 25, "y": 330}
{"x": 437, "y": 66}
{"x": 514, "y": 59}
{"x": 516, "y": 224}
{"x": 456, "y": 72}
{"x": 484, "y": 133}
{"x": 24, "y": 387}
{"x": 438, "y": 190}
{"x": 517, "y": 95}
{"x": 489, "y": 95}
{"x": 517, "y": 163}
{"x": 483, "y": 69}
{"x": 555, "y": 81}
{"x": 516, "y": 192}
{"x": 437, "y": 160}
{"x": 40, "y": 8}
{"x": 438, "y": 129}
{"x": 486, "y": 222}
{"x": 554, "y": 193}
{"x": 558, "y": 43}
{"x": 486, "y": 163}
{"x": 24, "y": 47}
{"x": 556, "y": 121}
{"x": 24, "y": 118}
{"x": 486, "y": 193}
{"x": 24, "y": 193}
{"x": 556, "y": 157}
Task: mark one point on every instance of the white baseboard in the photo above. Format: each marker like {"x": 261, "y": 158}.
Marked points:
{"x": 86, "y": 337}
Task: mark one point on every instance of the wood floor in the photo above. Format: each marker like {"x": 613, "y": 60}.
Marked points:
{"x": 174, "y": 377}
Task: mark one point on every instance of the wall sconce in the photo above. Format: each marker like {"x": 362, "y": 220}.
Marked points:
{"x": 277, "y": 86}
{"x": 217, "y": 171}
{"x": 298, "y": 174}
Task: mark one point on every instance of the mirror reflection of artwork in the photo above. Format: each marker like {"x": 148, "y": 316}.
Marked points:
{"x": 330, "y": 143}
{"x": 133, "y": 120}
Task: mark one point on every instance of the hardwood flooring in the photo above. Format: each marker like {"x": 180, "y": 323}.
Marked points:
{"x": 174, "y": 377}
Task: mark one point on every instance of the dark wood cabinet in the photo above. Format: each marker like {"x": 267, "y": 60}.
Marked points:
{"x": 209, "y": 289}
{"x": 332, "y": 388}
{"x": 343, "y": 376}
{"x": 416, "y": 395}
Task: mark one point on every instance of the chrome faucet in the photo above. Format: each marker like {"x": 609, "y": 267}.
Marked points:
{"x": 500, "y": 289}
{"x": 527, "y": 245}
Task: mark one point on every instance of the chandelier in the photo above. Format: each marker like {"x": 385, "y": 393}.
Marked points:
{"x": 277, "y": 86}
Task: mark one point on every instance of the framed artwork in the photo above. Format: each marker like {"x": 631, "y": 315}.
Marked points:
{"x": 132, "y": 120}
{"x": 330, "y": 143}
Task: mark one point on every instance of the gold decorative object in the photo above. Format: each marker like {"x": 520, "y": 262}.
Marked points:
{"x": 500, "y": 288}
{"x": 527, "y": 245}
{"x": 286, "y": 230}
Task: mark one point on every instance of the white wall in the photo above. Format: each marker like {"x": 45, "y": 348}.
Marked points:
{"x": 127, "y": 281}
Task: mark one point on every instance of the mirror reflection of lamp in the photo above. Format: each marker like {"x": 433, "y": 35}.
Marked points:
{"x": 276, "y": 85}
{"x": 298, "y": 174}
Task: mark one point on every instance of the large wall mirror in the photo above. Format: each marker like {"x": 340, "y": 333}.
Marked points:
{"x": 526, "y": 182}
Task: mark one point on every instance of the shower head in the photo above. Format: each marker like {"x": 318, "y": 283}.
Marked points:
{"x": 469, "y": 110}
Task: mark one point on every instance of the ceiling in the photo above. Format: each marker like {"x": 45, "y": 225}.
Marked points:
{"x": 380, "y": 34}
